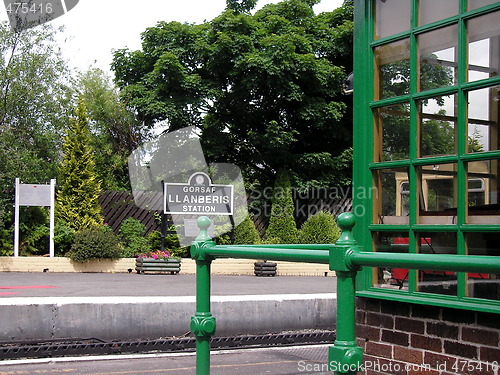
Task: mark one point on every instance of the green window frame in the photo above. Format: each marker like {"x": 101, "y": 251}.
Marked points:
{"x": 434, "y": 185}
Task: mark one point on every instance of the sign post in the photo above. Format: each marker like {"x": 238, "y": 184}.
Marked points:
{"x": 34, "y": 195}
{"x": 198, "y": 197}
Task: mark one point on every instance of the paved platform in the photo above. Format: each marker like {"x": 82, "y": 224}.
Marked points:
{"x": 14, "y": 284}
{"x": 39, "y": 306}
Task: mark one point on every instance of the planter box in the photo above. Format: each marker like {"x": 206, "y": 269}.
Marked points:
{"x": 158, "y": 265}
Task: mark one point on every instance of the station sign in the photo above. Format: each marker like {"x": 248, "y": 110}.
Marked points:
{"x": 198, "y": 197}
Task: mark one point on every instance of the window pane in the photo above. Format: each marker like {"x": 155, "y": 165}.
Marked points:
{"x": 484, "y": 51}
{"x": 392, "y": 242}
{"x": 437, "y": 195}
{"x": 474, "y": 4}
{"x": 391, "y": 17}
{"x": 438, "y": 58}
{"x": 392, "y": 70}
{"x": 438, "y": 282}
{"x": 432, "y": 10}
{"x": 483, "y": 285}
{"x": 437, "y": 125}
{"x": 392, "y": 125}
{"x": 483, "y": 116}
{"x": 391, "y": 200}
{"x": 482, "y": 195}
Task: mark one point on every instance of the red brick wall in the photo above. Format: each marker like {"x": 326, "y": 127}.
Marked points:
{"x": 409, "y": 339}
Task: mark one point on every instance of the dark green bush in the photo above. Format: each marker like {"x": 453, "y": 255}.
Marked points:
{"x": 63, "y": 237}
{"x": 246, "y": 233}
{"x": 319, "y": 228}
{"x": 95, "y": 243}
{"x": 132, "y": 232}
{"x": 282, "y": 227}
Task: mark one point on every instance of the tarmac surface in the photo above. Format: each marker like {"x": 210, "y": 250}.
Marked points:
{"x": 14, "y": 284}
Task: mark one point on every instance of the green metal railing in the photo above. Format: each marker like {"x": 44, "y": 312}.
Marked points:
{"x": 344, "y": 257}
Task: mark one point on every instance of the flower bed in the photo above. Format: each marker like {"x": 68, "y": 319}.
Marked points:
{"x": 157, "y": 262}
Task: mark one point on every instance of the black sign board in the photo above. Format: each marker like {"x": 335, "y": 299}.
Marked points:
{"x": 198, "y": 197}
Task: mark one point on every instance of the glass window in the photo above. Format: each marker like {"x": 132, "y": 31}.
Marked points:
{"x": 482, "y": 196}
{"x": 438, "y": 282}
{"x": 438, "y": 58}
{"x": 392, "y": 69}
{"x": 391, "y": 17}
{"x": 484, "y": 50}
{"x": 483, "y": 116}
{"x": 437, "y": 195}
{"x": 437, "y": 125}
{"x": 474, "y": 4}
{"x": 392, "y": 132}
{"x": 432, "y": 10}
{"x": 483, "y": 285}
{"x": 389, "y": 204}
{"x": 392, "y": 242}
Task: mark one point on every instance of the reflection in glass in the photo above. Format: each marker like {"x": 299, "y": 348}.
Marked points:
{"x": 483, "y": 285}
{"x": 393, "y": 123}
{"x": 437, "y": 195}
{"x": 432, "y": 10}
{"x": 392, "y": 69}
{"x": 438, "y": 58}
{"x": 391, "y": 202}
{"x": 474, "y": 4}
{"x": 484, "y": 51}
{"x": 438, "y": 282}
{"x": 483, "y": 112}
{"x": 482, "y": 197}
{"x": 391, "y": 17}
{"x": 392, "y": 242}
{"x": 437, "y": 125}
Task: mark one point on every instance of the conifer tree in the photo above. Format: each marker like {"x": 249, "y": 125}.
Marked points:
{"x": 282, "y": 227}
{"x": 77, "y": 199}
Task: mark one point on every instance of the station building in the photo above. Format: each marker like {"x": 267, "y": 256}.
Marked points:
{"x": 426, "y": 151}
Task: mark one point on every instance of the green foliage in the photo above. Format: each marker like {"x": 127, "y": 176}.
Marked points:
{"x": 63, "y": 237}
{"x": 282, "y": 225}
{"x": 270, "y": 83}
{"x": 246, "y": 233}
{"x": 95, "y": 243}
{"x": 6, "y": 248}
{"x": 133, "y": 232}
{"x": 115, "y": 132}
{"x": 320, "y": 228}
{"x": 33, "y": 109}
{"x": 77, "y": 201}
{"x": 33, "y": 231}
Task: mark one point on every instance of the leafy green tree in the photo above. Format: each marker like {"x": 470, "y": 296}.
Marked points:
{"x": 265, "y": 90}
{"x": 282, "y": 227}
{"x": 34, "y": 97}
{"x": 114, "y": 129}
{"x": 77, "y": 201}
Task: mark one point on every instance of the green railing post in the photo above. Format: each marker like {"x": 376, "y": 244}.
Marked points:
{"x": 345, "y": 357}
{"x": 202, "y": 323}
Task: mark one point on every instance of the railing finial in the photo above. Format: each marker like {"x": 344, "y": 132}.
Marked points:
{"x": 346, "y": 222}
{"x": 203, "y": 223}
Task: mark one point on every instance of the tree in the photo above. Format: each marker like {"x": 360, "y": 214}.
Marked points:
{"x": 77, "y": 201}
{"x": 282, "y": 228}
{"x": 114, "y": 129}
{"x": 265, "y": 90}
{"x": 34, "y": 98}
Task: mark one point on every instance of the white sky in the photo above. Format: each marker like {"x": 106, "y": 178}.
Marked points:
{"x": 95, "y": 27}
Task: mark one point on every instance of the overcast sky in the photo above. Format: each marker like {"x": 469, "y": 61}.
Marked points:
{"x": 95, "y": 27}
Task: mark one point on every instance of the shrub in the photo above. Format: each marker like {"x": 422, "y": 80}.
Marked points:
{"x": 63, "y": 237}
{"x": 132, "y": 233}
{"x": 246, "y": 233}
{"x": 319, "y": 228}
{"x": 95, "y": 243}
{"x": 282, "y": 223}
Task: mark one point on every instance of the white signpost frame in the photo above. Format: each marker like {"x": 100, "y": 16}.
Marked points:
{"x": 34, "y": 195}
